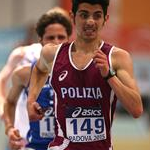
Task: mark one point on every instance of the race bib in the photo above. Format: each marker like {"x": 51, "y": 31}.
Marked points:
{"x": 47, "y": 124}
{"x": 85, "y": 124}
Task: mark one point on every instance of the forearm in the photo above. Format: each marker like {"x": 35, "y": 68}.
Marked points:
{"x": 3, "y": 92}
{"x": 38, "y": 79}
{"x": 3, "y": 83}
{"x": 2, "y": 96}
{"x": 4, "y": 78}
{"x": 9, "y": 115}
{"x": 129, "y": 97}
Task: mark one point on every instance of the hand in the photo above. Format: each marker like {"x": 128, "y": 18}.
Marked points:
{"x": 34, "y": 111}
{"x": 15, "y": 140}
{"x": 101, "y": 62}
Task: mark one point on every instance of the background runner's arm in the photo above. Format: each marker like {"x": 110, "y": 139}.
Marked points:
{"x": 14, "y": 58}
{"x": 11, "y": 101}
{"x": 6, "y": 72}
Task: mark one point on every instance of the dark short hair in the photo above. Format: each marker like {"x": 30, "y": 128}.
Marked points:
{"x": 51, "y": 18}
{"x": 103, "y": 3}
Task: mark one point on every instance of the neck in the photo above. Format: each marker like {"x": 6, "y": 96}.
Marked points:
{"x": 89, "y": 46}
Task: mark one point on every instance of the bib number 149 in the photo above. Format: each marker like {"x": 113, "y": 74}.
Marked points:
{"x": 88, "y": 125}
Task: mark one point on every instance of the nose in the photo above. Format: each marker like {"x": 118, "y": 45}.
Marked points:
{"x": 90, "y": 20}
{"x": 56, "y": 41}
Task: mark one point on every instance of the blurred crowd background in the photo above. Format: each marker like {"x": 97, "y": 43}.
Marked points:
{"x": 127, "y": 28}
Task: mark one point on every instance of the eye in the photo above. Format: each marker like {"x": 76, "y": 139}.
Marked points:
{"x": 51, "y": 37}
{"x": 61, "y": 37}
{"x": 97, "y": 16}
{"x": 84, "y": 15}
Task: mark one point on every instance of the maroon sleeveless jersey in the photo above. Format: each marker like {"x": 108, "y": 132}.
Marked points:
{"x": 84, "y": 103}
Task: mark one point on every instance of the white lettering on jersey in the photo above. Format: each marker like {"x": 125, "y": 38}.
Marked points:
{"x": 91, "y": 93}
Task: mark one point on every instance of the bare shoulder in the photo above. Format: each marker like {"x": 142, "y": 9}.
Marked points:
{"x": 22, "y": 74}
{"x": 49, "y": 51}
{"x": 15, "y": 57}
{"x": 21, "y": 50}
{"x": 120, "y": 52}
{"x": 18, "y": 52}
{"x": 121, "y": 57}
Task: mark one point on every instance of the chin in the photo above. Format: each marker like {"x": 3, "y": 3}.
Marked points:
{"x": 90, "y": 36}
{"x": 89, "y": 39}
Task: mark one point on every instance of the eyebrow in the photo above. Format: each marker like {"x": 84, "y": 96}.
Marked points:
{"x": 82, "y": 11}
{"x": 98, "y": 11}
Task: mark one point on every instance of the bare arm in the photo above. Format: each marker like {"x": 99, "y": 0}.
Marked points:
{"x": 5, "y": 74}
{"x": 14, "y": 58}
{"x": 124, "y": 84}
{"x": 38, "y": 78}
{"x": 19, "y": 80}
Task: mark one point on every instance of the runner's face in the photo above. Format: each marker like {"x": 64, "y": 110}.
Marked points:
{"x": 54, "y": 33}
{"x": 89, "y": 21}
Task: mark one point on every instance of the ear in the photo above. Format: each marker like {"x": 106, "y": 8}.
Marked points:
{"x": 106, "y": 19}
{"x": 40, "y": 40}
{"x": 72, "y": 16}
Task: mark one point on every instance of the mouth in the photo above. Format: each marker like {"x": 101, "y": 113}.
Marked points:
{"x": 89, "y": 31}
